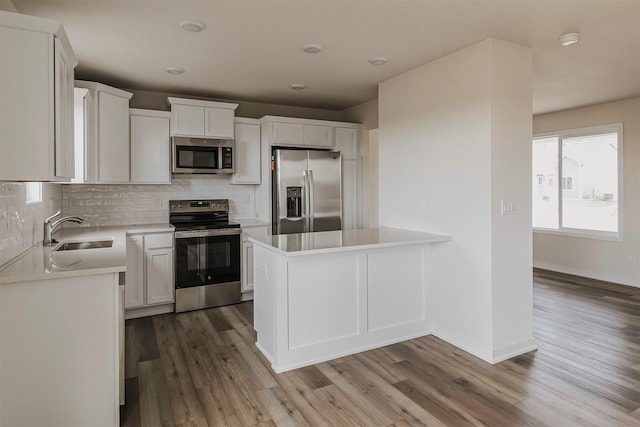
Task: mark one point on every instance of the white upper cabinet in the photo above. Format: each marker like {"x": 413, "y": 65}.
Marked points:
{"x": 247, "y": 152}
{"x": 347, "y": 142}
{"x": 36, "y": 99}
{"x": 187, "y": 120}
{"x": 318, "y": 136}
{"x": 298, "y": 133}
{"x": 204, "y": 119}
{"x": 63, "y": 88}
{"x": 105, "y": 130}
{"x": 287, "y": 134}
{"x": 150, "y": 147}
{"x": 219, "y": 122}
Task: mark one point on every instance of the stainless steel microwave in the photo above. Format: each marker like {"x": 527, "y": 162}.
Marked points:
{"x": 202, "y": 155}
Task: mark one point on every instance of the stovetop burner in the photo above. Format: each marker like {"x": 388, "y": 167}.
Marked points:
{"x": 200, "y": 214}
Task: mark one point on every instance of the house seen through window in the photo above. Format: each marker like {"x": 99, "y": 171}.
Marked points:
{"x": 576, "y": 181}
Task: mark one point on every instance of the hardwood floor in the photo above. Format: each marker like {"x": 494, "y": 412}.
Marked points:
{"x": 203, "y": 369}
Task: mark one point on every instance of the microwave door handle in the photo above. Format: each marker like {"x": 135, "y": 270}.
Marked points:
{"x": 310, "y": 198}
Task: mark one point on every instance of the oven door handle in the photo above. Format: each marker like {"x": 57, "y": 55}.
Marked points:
{"x": 207, "y": 233}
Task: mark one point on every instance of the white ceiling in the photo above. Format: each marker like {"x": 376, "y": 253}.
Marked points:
{"x": 251, "y": 50}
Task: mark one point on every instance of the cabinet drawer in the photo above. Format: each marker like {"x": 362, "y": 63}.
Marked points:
{"x": 255, "y": 232}
{"x": 157, "y": 241}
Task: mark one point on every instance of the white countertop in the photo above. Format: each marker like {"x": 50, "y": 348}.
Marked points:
{"x": 252, "y": 222}
{"x": 43, "y": 262}
{"x": 346, "y": 240}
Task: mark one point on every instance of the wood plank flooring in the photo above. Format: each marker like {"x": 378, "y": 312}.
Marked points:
{"x": 202, "y": 369}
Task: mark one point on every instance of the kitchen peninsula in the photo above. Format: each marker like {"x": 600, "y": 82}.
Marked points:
{"x": 324, "y": 295}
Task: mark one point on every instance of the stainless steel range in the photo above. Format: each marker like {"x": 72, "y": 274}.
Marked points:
{"x": 207, "y": 254}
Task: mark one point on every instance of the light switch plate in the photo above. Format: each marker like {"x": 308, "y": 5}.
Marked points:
{"x": 508, "y": 207}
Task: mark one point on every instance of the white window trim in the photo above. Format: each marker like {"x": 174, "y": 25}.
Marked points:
{"x": 588, "y": 234}
{"x": 33, "y": 201}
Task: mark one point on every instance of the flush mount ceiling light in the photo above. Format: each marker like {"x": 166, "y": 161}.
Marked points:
{"x": 569, "y": 39}
{"x": 174, "y": 70}
{"x": 312, "y": 48}
{"x": 378, "y": 60}
{"x": 192, "y": 26}
{"x": 297, "y": 86}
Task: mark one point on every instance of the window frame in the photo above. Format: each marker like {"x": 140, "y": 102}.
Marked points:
{"x": 577, "y": 232}
{"x": 34, "y": 201}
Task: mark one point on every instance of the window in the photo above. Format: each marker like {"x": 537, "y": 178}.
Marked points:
{"x": 33, "y": 192}
{"x": 577, "y": 181}
{"x": 567, "y": 183}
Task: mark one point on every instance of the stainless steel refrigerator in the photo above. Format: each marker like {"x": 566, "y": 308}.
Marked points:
{"x": 306, "y": 191}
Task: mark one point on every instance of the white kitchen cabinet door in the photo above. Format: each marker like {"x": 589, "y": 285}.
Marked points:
{"x": 113, "y": 138}
{"x": 187, "y": 120}
{"x": 218, "y": 122}
{"x": 150, "y": 147}
{"x": 349, "y": 195}
{"x": 35, "y": 124}
{"x": 63, "y": 86}
{"x": 247, "y": 267}
{"x": 347, "y": 142}
{"x": 318, "y": 136}
{"x": 204, "y": 119}
{"x": 287, "y": 133}
{"x": 258, "y": 232}
{"x": 134, "y": 277}
{"x": 159, "y": 277}
{"x": 247, "y": 154}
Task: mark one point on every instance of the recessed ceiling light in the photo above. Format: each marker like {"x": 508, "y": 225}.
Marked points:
{"x": 312, "y": 48}
{"x": 174, "y": 70}
{"x": 192, "y": 26}
{"x": 569, "y": 39}
{"x": 378, "y": 60}
{"x": 297, "y": 86}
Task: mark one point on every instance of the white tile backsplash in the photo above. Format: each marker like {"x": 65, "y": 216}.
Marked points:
{"x": 101, "y": 205}
{"x": 21, "y": 224}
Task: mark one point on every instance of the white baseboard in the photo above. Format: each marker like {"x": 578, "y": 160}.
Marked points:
{"x": 491, "y": 356}
{"x": 586, "y": 273}
{"x": 463, "y": 344}
{"x": 133, "y": 313}
{"x": 513, "y": 350}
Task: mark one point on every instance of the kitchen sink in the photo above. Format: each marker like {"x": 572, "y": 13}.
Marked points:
{"x": 72, "y": 246}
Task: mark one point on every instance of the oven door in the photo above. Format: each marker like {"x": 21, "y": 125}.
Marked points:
{"x": 207, "y": 257}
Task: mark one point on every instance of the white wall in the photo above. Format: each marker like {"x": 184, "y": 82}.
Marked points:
{"x": 599, "y": 259}
{"x": 158, "y": 101}
{"x": 8, "y": 6}
{"x": 441, "y": 125}
{"x": 365, "y": 113}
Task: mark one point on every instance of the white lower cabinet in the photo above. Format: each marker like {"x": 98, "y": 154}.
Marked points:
{"x": 260, "y": 231}
{"x": 149, "y": 277}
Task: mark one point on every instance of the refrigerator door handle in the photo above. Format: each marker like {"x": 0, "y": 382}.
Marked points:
{"x": 311, "y": 198}
{"x": 305, "y": 201}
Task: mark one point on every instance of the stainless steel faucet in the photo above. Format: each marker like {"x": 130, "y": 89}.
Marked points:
{"x": 50, "y": 227}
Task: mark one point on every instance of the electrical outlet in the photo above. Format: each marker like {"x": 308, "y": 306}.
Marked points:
{"x": 508, "y": 207}
{"x": 633, "y": 257}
